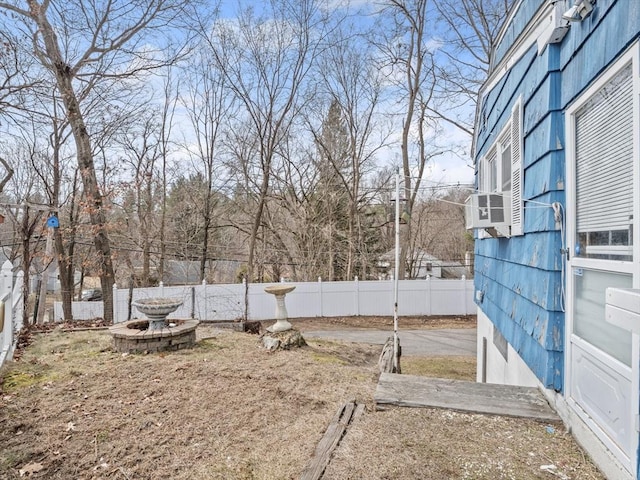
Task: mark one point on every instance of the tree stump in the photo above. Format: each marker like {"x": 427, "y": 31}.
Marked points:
{"x": 252, "y": 327}
{"x": 385, "y": 363}
{"x": 282, "y": 340}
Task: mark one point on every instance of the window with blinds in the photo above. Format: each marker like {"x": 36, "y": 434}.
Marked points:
{"x": 604, "y": 171}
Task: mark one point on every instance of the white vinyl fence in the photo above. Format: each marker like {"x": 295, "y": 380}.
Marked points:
{"x": 10, "y": 310}
{"x": 309, "y": 299}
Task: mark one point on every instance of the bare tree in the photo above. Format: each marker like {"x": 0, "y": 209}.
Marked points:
{"x": 468, "y": 31}
{"x": 54, "y": 169}
{"x": 170, "y": 99}
{"x": 352, "y": 133}
{"x": 7, "y": 175}
{"x": 141, "y": 148}
{"x": 83, "y": 43}
{"x": 17, "y": 77}
{"x": 26, "y": 207}
{"x": 208, "y": 106}
{"x": 185, "y": 229}
{"x": 407, "y": 56}
{"x": 440, "y": 231}
{"x": 437, "y": 55}
{"x": 292, "y": 241}
{"x": 265, "y": 61}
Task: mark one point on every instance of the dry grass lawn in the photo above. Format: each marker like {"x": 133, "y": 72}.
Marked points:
{"x": 72, "y": 408}
{"x": 455, "y": 367}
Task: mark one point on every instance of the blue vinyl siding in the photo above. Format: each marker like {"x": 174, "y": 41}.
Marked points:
{"x": 544, "y": 138}
{"x": 595, "y": 43}
{"x": 545, "y": 364}
{"x": 525, "y": 11}
{"x": 521, "y": 276}
{"x": 498, "y": 103}
{"x": 540, "y": 218}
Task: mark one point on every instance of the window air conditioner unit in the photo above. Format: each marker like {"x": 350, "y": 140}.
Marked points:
{"x": 489, "y": 211}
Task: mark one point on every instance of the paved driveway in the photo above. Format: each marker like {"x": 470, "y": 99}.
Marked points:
{"x": 438, "y": 342}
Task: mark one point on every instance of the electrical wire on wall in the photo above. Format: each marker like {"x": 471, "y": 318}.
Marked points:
{"x": 559, "y": 217}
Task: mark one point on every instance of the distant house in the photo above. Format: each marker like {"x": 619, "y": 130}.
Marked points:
{"x": 53, "y": 280}
{"x": 422, "y": 264}
{"x": 557, "y": 156}
{"x": 181, "y": 272}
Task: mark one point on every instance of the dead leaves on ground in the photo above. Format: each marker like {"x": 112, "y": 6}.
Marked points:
{"x": 30, "y": 468}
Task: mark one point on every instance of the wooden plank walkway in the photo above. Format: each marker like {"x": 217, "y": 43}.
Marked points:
{"x": 336, "y": 429}
{"x": 507, "y": 400}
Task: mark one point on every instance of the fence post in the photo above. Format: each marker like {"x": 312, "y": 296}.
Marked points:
{"x": 464, "y": 293}
{"x": 466, "y": 297}
{"x": 429, "y": 302}
{"x": 162, "y": 289}
{"x": 16, "y": 302}
{"x": 245, "y": 297}
{"x": 321, "y": 309}
{"x": 115, "y": 303}
{"x": 6, "y": 291}
{"x": 193, "y": 302}
{"x": 357, "y": 295}
{"x": 203, "y": 305}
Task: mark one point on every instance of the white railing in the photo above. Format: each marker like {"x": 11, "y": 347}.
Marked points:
{"x": 309, "y": 299}
{"x": 10, "y": 310}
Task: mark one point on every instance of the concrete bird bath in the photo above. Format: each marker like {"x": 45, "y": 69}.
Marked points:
{"x": 280, "y": 291}
{"x": 157, "y": 310}
{"x": 154, "y": 335}
{"x": 281, "y": 335}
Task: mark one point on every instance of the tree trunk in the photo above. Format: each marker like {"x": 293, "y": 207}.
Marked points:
{"x": 331, "y": 252}
{"x": 65, "y": 268}
{"x": 257, "y": 220}
{"x": 26, "y": 263}
{"x": 205, "y": 240}
{"x": 42, "y": 306}
{"x": 163, "y": 223}
{"x": 146, "y": 263}
{"x": 64, "y": 78}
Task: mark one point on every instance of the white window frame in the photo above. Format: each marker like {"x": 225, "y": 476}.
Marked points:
{"x": 622, "y": 266}
{"x": 608, "y": 265}
{"x": 510, "y": 137}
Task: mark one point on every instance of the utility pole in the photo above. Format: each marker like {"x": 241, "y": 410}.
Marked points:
{"x": 396, "y": 340}
{"x": 48, "y": 258}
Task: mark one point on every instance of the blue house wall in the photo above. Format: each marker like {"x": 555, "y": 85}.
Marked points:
{"x": 520, "y": 277}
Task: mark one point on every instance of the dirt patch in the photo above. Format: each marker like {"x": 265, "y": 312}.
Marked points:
{"x": 382, "y": 322}
{"x": 73, "y": 408}
{"x": 95, "y": 323}
{"x": 405, "y": 444}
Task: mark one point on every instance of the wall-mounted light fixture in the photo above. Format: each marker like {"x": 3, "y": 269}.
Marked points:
{"x": 579, "y": 11}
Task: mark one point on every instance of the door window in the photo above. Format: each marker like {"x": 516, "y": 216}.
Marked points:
{"x": 589, "y": 320}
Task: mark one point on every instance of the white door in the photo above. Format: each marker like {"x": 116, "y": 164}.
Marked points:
{"x": 603, "y": 197}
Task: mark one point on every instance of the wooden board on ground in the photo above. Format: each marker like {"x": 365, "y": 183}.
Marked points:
{"x": 507, "y": 400}
{"x": 318, "y": 463}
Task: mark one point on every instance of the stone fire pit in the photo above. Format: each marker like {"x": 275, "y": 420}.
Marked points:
{"x": 154, "y": 334}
